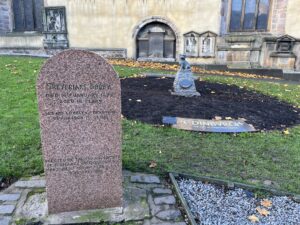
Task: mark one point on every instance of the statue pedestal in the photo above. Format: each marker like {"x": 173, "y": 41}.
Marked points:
{"x": 184, "y": 84}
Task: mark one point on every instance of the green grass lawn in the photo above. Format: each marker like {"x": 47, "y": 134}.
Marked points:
{"x": 243, "y": 157}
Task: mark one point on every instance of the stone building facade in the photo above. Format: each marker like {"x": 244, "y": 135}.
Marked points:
{"x": 236, "y": 33}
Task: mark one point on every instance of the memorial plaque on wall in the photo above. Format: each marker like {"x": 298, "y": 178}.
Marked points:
{"x": 80, "y": 116}
{"x": 156, "y": 45}
{"x": 213, "y": 126}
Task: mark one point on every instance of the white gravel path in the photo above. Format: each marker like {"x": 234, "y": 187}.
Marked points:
{"x": 212, "y": 205}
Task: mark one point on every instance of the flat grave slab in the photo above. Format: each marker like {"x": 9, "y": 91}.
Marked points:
{"x": 213, "y": 126}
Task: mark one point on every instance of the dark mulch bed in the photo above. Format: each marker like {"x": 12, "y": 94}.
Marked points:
{"x": 264, "y": 112}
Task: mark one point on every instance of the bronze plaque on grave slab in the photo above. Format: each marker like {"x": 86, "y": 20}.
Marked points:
{"x": 214, "y": 126}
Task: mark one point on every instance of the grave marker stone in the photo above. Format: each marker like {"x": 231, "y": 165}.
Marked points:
{"x": 79, "y": 99}
{"x": 184, "y": 84}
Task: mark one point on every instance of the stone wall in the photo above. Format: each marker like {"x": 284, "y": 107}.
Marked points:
{"x": 279, "y": 13}
{"x": 5, "y": 16}
{"x": 112, "y": 24}
{"x": 108, "y": 27}
{"x": 297, "y": 53}
{"x": 293, "y": 19}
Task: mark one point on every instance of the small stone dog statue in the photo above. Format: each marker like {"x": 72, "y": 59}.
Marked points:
{"x": 184, "y": 65}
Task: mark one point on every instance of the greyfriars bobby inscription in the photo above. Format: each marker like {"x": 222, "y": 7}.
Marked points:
{"x": 79, "y": 98}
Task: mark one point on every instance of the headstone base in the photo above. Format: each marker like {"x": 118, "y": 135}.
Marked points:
{"x": 186, "y": 93}
{"x": 142, "y": 204}
{"x": 184, "y": 84}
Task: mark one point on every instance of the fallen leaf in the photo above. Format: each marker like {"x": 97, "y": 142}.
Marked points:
{"x": 139, "y": 100}
{"x": 266, "y": 203}
{"x": 286, "y": 132}
{"x": 212, "y": 92}
{"x": 218, "y": 118}
{"x": 153, "y": 164}
{"x": 262, "y": 211}
{"x": 228, "y": 118}
{"x": 253, "y": 218}
{"x": 161, "y": 66}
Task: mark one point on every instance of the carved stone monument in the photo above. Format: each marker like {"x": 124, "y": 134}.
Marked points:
{"x": 55, "y": 28}
{"x": 79, "y": 99}
{"x": 184, "y": 84}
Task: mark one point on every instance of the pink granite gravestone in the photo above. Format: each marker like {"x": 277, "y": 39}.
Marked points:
{"x": 79, "y": 99}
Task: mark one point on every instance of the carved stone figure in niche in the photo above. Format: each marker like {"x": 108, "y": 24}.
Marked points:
{"x": 191, "y": 40}
{"x": 206, "y": 45}
{"x": 55, "y": 20}
{"x": 55, "y": 30}
{"x": 191, "y": 45}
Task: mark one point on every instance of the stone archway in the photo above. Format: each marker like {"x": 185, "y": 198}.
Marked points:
{"x": 156, "y": 39}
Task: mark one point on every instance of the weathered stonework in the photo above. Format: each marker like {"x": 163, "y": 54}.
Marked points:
{"x": 162, "y": 20}
{"x": 41, "y": 52}
{"x": 240, "y": 51}
{"x": 279, "y": 13}
{"x": 115, "y": 34}
{"x": 224, "y": 16}
{"x": 5, "y": 16}
{"x": 297, "y": 53}
{"x": 273, "y": 57}
{"x": 138, "y": 205}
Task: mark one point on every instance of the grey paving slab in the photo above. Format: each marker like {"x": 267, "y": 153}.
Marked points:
{"x": 170, "y": 223}
{"x": 162, "y": 191}
{"x": 170, "y": 200}
{"x": 138, "y": 204}
{"x": 31, "y": 184}
{"x": 9, "y": 197}
{"x": 7, "y": 209}
{"x": 171, "y": 214}
{"x": 5, "y": 220}
{"x": 148, "y": 179}
{"x": 156, "y": 208}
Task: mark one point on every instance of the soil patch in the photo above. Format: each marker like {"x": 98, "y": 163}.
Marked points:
{"x": 149, "y": 99}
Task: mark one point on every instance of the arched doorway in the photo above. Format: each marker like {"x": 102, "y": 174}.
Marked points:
{"x": 156, "y": 41}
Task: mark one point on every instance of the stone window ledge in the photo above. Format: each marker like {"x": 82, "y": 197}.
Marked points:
{"x": 247, "y": 33}
{"x": 246, "y": 36}
{"x": 283, "y": 55}
{"x": 145, "y": 59}
{"x": 21, "y": 34}
{"x": 228, "y": 48}
{"x": 200, "y": 56}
